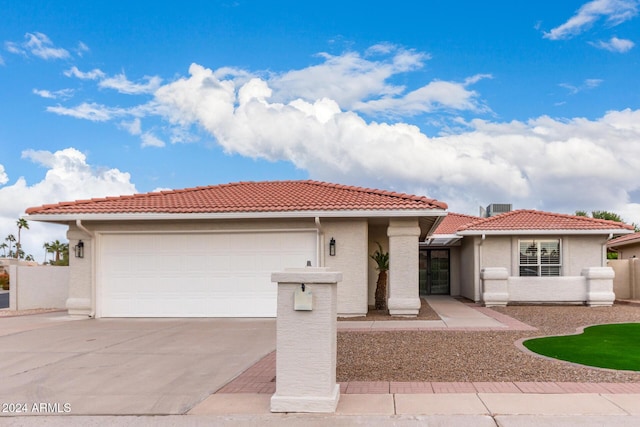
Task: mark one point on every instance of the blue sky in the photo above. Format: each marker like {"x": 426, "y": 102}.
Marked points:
{"x": 530, "y": 103}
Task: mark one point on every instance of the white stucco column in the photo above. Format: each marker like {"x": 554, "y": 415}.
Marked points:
{"x": 80, "y": 301}
{"x": 495, "y": 286}
{"x": 404, "y": 288}
{"x": 599, "y": 286}
{"x": 306, "y": 341}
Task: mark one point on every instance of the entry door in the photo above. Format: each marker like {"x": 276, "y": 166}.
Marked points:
{"x": 434, "y": 272}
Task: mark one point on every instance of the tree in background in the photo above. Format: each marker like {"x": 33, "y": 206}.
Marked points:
{"x": 610, "y": 216}
{"x": 21, "y": 223}
{"x": 60, "y": 251}
{"x": 4, "y": 247}
{"x": 10, "y": 238}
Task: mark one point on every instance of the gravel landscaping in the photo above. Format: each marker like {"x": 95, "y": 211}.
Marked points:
{"x": 477, "y": 356}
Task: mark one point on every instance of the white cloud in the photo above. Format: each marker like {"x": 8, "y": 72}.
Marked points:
{"x": 120, "y": 83}
{"x": 437, "y": 95}
{"x": 3, "y": 176}
{"x": 56, "y": 94}
{"x": 89, "y": 75}
{"x": 614, "y": 12}
{"x": 69, "y": 177}
{"x": 615, "y": 45}
{"x": 94, "y": 112}
{"x": 349, "y": 78}
{"x": 1, "y": 60}
{"x": 586, "y": 85}
{"x": 37, "y": 44}
{"x": 150, "y": 140}
{"x": 81, "y": 49}
{"x": 543, "y": 163}
{"x": 133, "y": 127}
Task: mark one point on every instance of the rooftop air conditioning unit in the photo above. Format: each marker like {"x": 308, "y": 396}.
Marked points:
{"x": 498, "y": 208}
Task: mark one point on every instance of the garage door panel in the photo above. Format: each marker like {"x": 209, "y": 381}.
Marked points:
{"x": 196, "y": 275}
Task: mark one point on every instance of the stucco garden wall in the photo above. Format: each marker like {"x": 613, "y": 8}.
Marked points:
{"x": 626, "y": 283}
{"x": 594, "y": 287}
{"x": 38, "y": 287}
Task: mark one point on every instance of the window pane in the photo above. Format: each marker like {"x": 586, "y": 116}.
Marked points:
{"x": 528, "y": 271}
{"x": 550, "y": 252}
{"x": 528, "y": 252}
{"x": 550, "y": 271}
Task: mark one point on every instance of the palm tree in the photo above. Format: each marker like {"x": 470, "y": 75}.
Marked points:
{"x": 61, "y": 250}
{"x": 10, "y": 238}
{"x": 382, "y": 265}
{"x": 47, "y": 249}
{"x": 21, "y": 223}
{"x": 4, "y": 247}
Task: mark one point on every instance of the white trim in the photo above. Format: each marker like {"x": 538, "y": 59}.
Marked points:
{"x": 540, "y": 232}
{"x": 195, "y": 231}
{"x": 237, "y": 215}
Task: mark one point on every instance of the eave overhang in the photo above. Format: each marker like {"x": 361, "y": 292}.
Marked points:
{"x": 146, "y": 216}
{"x": 617, "y": 231}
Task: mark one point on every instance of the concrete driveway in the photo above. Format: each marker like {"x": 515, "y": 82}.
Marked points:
{"x": 123, "y": 366}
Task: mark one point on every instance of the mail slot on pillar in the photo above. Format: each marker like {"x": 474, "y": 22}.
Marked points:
{"x": 303, "y": 299}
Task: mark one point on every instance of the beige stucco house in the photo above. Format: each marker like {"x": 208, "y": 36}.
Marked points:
{"x": 522, "y": 256}
{"x": 626, "y": 246}
{"x": 210, "y": 251}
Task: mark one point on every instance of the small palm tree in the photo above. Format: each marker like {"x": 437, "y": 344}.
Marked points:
{"x": 60, "y": 251}
{"x": 382, "y": 265}
{"x": 4, "y": 247}
{"x": 10, "y": 238}
{"x": 47, "y": 249}
{"x": 21, "y": 223}
{"x": 56, "y": 247}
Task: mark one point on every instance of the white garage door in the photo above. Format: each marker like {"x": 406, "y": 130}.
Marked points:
{"x": 196, "y": 275}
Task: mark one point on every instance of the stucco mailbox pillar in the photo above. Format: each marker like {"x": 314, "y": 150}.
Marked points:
{"x": 599, "y": 286}
{"x": 495, "y": 286}
{"x": 404, "y": 283}
{"x": 306, "y": 340}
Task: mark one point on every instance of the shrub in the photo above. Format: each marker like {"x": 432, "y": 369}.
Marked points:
{"x": 4, "y": 281}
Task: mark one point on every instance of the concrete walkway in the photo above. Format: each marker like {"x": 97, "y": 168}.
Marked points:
{"x": 454, "y": 315}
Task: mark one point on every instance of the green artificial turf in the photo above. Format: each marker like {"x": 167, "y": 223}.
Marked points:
{"x": 615, "y": 346}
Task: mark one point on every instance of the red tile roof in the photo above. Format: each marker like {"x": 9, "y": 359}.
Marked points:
{"x": 265, "y": 196}
{"x": 629, "y": 239}
{"x": 453, "y": 221}
{"x": 538, "y": 220}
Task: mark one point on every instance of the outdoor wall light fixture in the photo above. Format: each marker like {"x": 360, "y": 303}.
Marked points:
{"x": 79, "y": 249}
{"x": 332, "y": 247}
